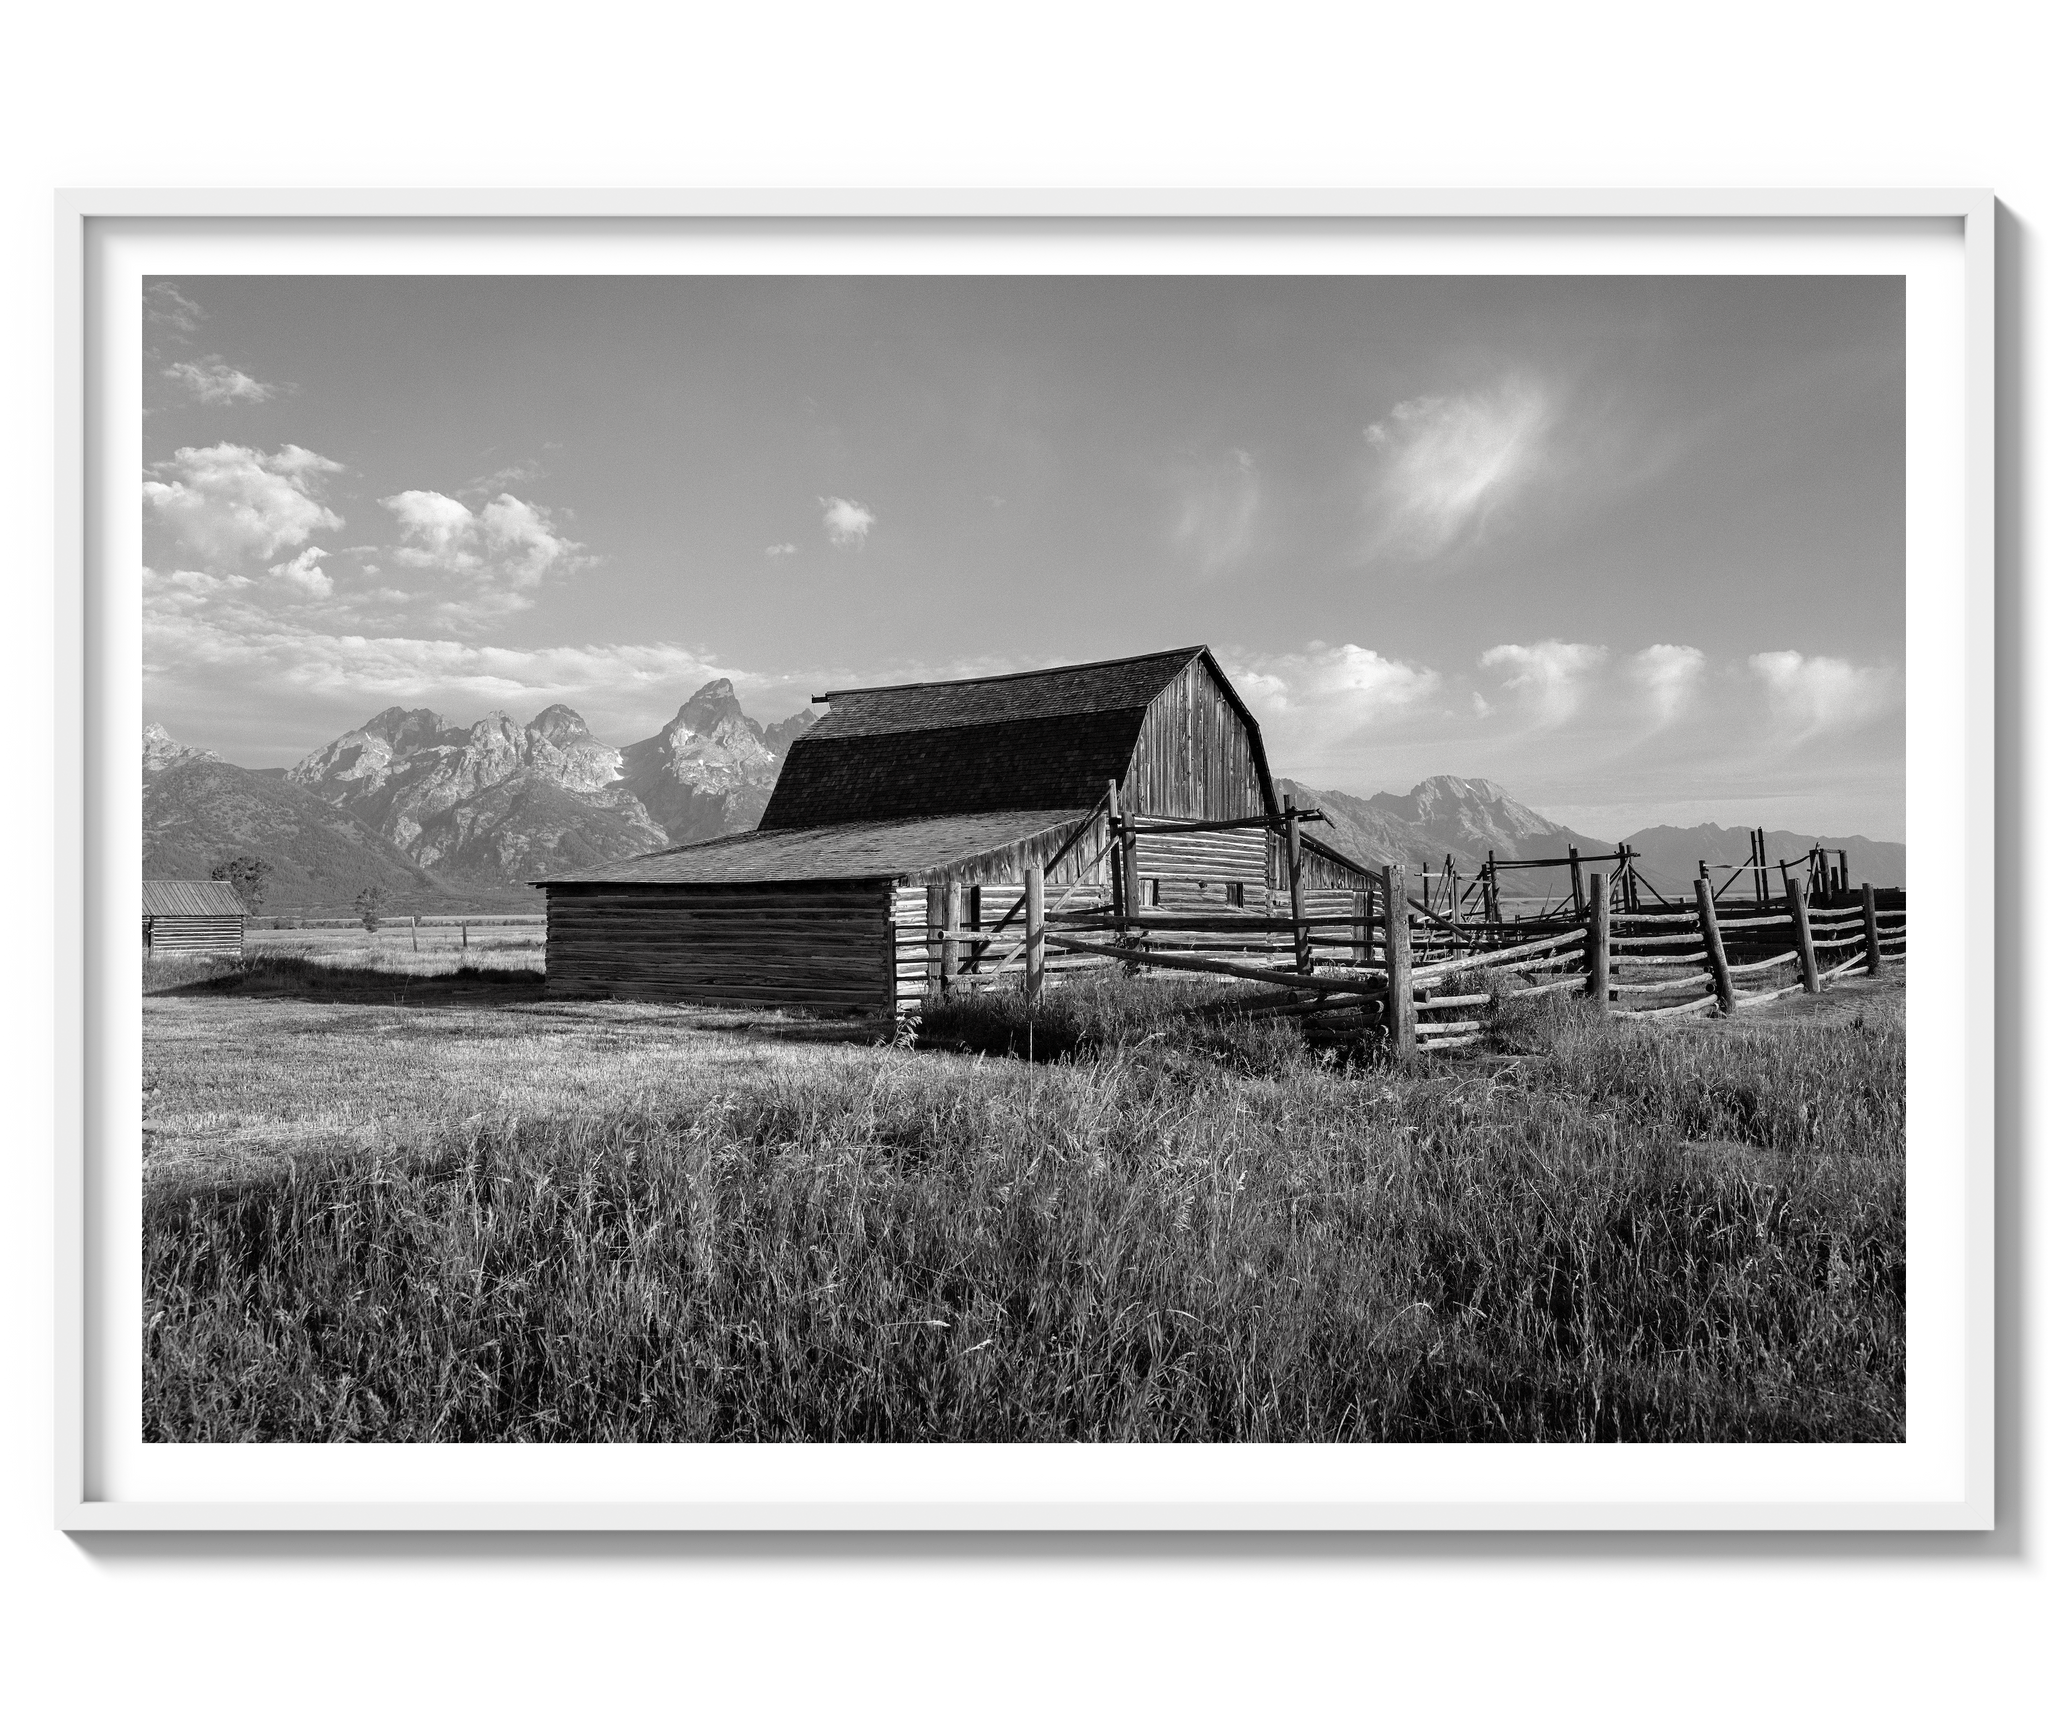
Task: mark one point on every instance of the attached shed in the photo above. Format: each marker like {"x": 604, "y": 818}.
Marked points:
{"x": 192, "y": 918}
{"x": 901, "y": 794}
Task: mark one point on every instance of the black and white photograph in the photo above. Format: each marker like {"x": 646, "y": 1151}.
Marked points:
{"x": 1024, "y": 858}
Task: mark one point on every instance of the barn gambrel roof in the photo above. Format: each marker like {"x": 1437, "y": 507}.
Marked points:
{"x": 1041, "y": 740}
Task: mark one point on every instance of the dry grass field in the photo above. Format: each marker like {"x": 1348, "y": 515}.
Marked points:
{"x": 389, "y": 1199}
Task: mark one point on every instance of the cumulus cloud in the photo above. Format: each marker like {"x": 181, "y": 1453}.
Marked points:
{"x": 1328, "y": 690}
{"x": 1218, "y": 511}
{"x": 302, "y": 572}
{"x": 1551, "y": 678}
{"x": 215, "y": 383}
{"x": 488, "y": 561}
{"x": 847, "y": 523}
{"x": 1817, "y": 694}
{"x": 164, "y": 307}
{"x": 776, "y": 551}
{"x": 1444, "y": 462}
{"x": 1669, "y": 676}
{"x": 226, "y": 503}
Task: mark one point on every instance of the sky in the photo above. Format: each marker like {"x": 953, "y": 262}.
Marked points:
{"x": 1634, "y": 548}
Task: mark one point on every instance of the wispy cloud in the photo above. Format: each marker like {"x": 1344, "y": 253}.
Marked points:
{"x": 1314, "y": 698}
{"x": 212, "y": 382}
{"x": 847, "y": 523}
{"x": 516, "y": 475}
{"x": 1443, "y": 463}
{"x": 169, "y": 311}
{"x": 1669, "y": 677}
{"x": 778, "y": 551}
{"x": 206, "y": 633}
{"x": 1813, "y": 695}
{"x": 227, "y": 503}
{"x": 1217, "y": 512}
{"x": 1551, "y": 679}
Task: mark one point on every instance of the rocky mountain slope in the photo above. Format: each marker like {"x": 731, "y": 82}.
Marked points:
{"x": 1671, "y": 857}
{"x": 711, "y": 768}
{"x": 416, "y": 803}
{"x": 199, "y": 812}
{"x": 1470, "y": 817}
{"x": 1465, "y": 818}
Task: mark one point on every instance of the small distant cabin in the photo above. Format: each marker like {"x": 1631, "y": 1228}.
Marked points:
{"x": 901, "y": 794}
{"x": 192, "y": 918}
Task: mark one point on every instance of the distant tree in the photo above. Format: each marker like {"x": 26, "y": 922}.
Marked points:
{"x": 370, "y": 904}
{"x": 250, "y": 876}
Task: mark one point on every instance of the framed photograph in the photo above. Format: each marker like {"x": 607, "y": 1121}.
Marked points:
{"x": 1026, "y": 860}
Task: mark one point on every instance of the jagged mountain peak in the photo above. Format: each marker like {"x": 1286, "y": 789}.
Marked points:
{"x": 713, "y": 706}
{"x": 560, "y": 725}
{"x": 161, "y": 752}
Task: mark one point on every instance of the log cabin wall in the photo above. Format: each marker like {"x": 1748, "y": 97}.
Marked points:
{"x": 798, "y": 945}
{"x": 182, "y": 934}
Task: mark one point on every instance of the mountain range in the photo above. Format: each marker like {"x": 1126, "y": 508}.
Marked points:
{"x": 1467, "y": 818}
{"x": 444, "y": 817}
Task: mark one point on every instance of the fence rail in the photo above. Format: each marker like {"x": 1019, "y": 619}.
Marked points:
{"x": 1388, "y": 967}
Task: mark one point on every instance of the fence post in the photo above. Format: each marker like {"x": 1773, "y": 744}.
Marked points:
{"x": 1873, "y": 961}
{"x": 949, "y": 945}
{"x": 1294, "y": 884}
{"x": 1578, "y": 886}
{"x": 934, "y": 929}
{"x": 1802, "y": 933}
{"x": 1119, "y": 890}
{"x": 1596, "y": 939}
{"x": 1710, "y": 934}
{"x": 1400, "y": 964}
{"x": 1034, "y": 932}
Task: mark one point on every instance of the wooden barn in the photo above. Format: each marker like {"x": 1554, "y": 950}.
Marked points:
{"x": 192, "y": 918}
{"x": 906, "y": 807}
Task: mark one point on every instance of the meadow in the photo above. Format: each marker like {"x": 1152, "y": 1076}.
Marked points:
{"x": 394, "y": 1196}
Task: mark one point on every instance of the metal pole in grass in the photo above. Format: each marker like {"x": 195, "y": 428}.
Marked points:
{"x": 1710, "y": 935}
{"x": 1802, "y": 934}
{"x": 1873, "y": 961}
{"x": 1034, "y": 932}
{"x": 1596, "y": 939}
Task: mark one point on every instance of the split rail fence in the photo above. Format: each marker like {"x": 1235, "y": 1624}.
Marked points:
{"x": 1416, "y": 976}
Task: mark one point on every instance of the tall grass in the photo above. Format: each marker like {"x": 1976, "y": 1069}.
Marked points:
{"x": 1643, "y": 1234}
{"x": 289, "y": 970}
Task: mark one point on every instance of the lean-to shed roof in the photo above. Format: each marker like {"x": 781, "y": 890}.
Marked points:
{"x": 191, "y": 900}
{"x": 1042, "y": 740}
{"x": 910, "y": 848}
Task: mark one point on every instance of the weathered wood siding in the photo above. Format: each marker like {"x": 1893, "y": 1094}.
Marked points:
{"x": 180, "y": 934}
{"x": 763, "y": 945}
{"x": 1194, "y": 756}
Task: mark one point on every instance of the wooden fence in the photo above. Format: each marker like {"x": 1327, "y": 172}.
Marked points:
{"x": 1417, "y": 976}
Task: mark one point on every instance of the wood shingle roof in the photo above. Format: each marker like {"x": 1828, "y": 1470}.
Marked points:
{"x": 1041, "y": 740}
{"x": 191, "y": 900}
{"x": 904, "y": 847}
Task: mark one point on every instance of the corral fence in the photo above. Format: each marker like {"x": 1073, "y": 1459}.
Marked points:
{"x": 1379, "y": 960}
